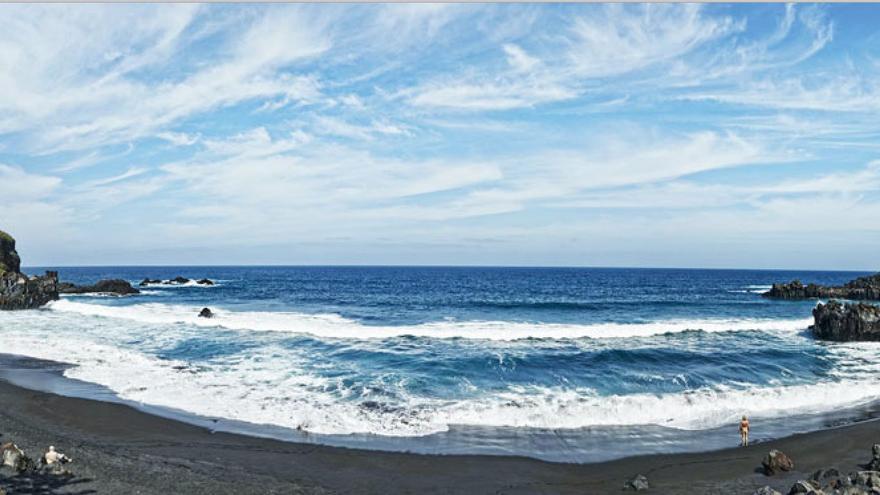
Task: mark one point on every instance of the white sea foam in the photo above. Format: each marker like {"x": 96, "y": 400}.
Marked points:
{"x": 269, "y": 386}
{"x": 191, "y": 283}
{"x": 335, "y": 326}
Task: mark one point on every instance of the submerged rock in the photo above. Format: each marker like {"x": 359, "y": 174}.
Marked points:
{"x": 147, "y": 281}
{"x": 115, "y": 286}
{"x": 638, "y": 483}
{"x": 17, "y": 290}
{"x": 862, "y": 288}
{"x": 846, "y": 322}
{"x": 206, "y": 313}
{"x": 776, "y": 462}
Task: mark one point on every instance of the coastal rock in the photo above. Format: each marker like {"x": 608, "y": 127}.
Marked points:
{"x": 147, "y": 281}
{"x": 17, "y": 290}
{"x": 766, "y": 490}
{"x": 776, "y": 462}
{"x": 846, "y": 322}
{"x": 206, "y": 313}
{"x": 870, "y": 479}
{"x": 9, "y": 259}
{"x": 178, "y": 280}
{"x": 15, "y": 458}
{"x": 638, "y": 483}
{"x": 862, "y": 288}
{"x": 205, "y": 281}
{"x": 113, "y": 286}
{"x": 874, "y": 465}
{"x": 807, "y": 487}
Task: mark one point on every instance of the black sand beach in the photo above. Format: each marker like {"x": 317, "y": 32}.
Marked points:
{"x": 118, "y": 449}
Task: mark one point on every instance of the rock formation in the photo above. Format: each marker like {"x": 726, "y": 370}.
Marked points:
{"x": 846, "y": 322}
{"x": 776, "y": 462}
{"x": 147, "y": 281}
{"x": 114, "y": 286}
{"x": 206, "y": 313}
{"x": 862, "y": 288}
{"x": 17, "y": 290}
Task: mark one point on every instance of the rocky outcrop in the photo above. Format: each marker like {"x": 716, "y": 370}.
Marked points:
{"x": 206, "y": 313}
{"x": 113, "y": 286}
{"x": 9, "y": 259}
{"x": 17, "y": 290}
{"x": 846, "y": 322}
{"x": 205, "y": 281}
{"x": 148, "y": 281}
{"x": 776, "y": 462}
{"x": 860, "y": 289}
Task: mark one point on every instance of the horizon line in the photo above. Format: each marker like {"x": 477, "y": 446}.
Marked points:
{"x": 352, "y": 265}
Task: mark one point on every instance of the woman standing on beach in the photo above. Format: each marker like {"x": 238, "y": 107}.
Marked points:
{"x": 744, "y": 431}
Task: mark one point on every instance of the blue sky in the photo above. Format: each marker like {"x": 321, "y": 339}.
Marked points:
{"x": 598, "y": 135}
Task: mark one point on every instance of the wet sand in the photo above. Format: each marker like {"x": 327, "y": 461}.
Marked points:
{"x": 119, "y": 449}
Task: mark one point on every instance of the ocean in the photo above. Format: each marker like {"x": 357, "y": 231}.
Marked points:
{"x": 563, "y": 364}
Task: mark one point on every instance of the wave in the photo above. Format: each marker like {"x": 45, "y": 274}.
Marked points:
{"x": 270, "y": 386}
{"x": 336, "y": 326}
{"x": 191, "y": 283}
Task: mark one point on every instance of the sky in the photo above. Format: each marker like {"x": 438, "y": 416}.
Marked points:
{"x": 664, "y": 135}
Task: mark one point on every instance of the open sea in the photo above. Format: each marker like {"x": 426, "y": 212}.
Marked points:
{"x": 564, "y": 364}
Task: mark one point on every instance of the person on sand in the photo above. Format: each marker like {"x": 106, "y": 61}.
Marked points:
{"x": 744, "y": 431}
{"x": 52, "y": 457}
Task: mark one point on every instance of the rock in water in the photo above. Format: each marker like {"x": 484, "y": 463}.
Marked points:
{"x": 776, "y": 462}
{"x": 862, "y": 288}
{"x": 147, "y": 281}
{"x": 639, "y": 483}
{"x": 205, "y": 281}
{"x": 178, "y": 280}
{"x": 17, "y": 290}
{"x": 206, "y": 313}
{"x": 846, "y": 322}
{"x": 114, "y": 286}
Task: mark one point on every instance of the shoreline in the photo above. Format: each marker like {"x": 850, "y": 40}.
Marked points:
{"x": 119, "y": 449}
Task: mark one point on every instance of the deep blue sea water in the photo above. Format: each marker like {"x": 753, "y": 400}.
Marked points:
{"x": 557, "y": 363}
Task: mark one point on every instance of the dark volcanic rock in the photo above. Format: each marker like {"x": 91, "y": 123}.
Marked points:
{"x": 206, "y": 313}
{"x": 846, "y": 322}
{"x": 776, "y": 462}
{"x": 17, "y": 290}
{"x": 148, "y": 281}
{"x": 9, "y": 260}
{"x": 205, "y": 281}
{"x": 178, "y": 280}
{"x": 113, "y": 286}
{"x": 862, "y": 288}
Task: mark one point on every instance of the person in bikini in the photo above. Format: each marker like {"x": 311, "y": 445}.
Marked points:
{"x": 744, "y": 432}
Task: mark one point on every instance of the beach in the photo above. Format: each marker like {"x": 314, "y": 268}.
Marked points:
{"x": 118, "y": 449}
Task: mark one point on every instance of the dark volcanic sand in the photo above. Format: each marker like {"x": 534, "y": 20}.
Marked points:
{"x": 118, "y": 450}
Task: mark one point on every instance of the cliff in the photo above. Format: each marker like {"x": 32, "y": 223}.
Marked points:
{"x": 17, "y": 290}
